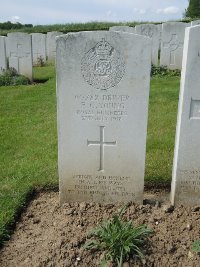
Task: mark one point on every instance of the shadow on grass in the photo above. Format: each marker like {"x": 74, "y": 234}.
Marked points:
{"x": 42, "y": 80}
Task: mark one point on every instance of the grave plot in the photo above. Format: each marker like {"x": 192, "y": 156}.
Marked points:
{"x": 102, "y": 97}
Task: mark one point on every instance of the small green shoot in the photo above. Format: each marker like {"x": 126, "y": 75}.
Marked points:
{"x": 196, "y": 246}
{"x": 11, "y": 77}
{"x": 119, "y": 239}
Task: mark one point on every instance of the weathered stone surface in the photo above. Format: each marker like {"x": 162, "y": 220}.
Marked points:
{"x": 186, "y": 166}
{"x": 38, "y": 47}
{"x": 159, "y": 26}
{"x": 102, "y": 96}
{"x": 20, "y": 53}
{"x": 195, "y": 22}
{"x": 122, "y": 29}
{"x": 172, "y": 44}
{"x": 6, "y": 42}
{"x": 3, "y": 62}
{"x": 51, "y": 45}
{"x": 151, "y": 31}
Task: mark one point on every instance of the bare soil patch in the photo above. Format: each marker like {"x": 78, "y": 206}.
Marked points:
{"x": 48, "y": 234}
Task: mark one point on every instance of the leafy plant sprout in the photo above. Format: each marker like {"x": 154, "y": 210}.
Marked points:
{"x": 163, "y": 71}
{"x": 11, "y": 77}
{"x": 40, "y": 61}
{"x": 119, "y": 239}
{"x": 196, "y": 246}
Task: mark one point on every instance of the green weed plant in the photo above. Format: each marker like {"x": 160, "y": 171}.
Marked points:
{"x": 196, "y": 246}
{"x": 119, "y": 239}
{"x": 40, "y": 62}
{"x": 162, "y": 71}
{"x": 10, "y": 77}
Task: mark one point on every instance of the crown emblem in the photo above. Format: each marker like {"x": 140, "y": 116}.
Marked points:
{"x": 103, "y": 49}
{"x": 102, "y": 66}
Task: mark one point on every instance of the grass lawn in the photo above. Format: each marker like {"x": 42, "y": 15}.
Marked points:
{"x": 163, "y": 105}
{"x": 28, "y": 139}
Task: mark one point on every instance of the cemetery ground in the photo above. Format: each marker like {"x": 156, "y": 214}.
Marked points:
{"x": 49, "y": 235}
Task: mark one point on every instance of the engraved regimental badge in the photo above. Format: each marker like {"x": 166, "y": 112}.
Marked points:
{"x": 147, "y": 31}
{"x": 102, "y": 66}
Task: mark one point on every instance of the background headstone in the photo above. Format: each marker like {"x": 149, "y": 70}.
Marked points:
{"x": 20, "y": 53}
{"x": 51, "y": 45}
{"x": 38, "y": 47}
{"x": 151, "y": 31}
{"x": 159, "y": 26}
{"x": 195, "y": 22}
{"x": 122, "y": 29}
{"x": 102, "y": 95}
{"x": 7, "y": 48}
{"x": 172, "y": 44}
{"x": 186, "y": 166}
{"x": 3, "y": 61}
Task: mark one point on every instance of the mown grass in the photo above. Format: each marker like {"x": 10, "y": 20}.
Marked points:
{"x": 163, "y": 104}
{"x": 28, "y": 143}
{"x": 28, "y": 139}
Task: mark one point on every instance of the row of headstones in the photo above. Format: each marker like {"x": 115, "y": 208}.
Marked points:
{"x": 103, "y": 81}
{"x": 167, "y": 38}
{"x": 22, "y": 51}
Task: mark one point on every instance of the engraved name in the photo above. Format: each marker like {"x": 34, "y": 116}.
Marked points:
{"x": 102, "y": 107}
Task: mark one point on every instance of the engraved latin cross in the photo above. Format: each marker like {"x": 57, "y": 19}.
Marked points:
{"x": 173, "y": 44}
{"x": 19, "y": 54}
{"x": 101, "y": 143}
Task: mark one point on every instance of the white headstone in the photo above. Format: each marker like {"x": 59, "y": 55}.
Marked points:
{"x": 102, "y": 95}
{"x": 159, "y": 26}
{"x": 7, "y": 48}
{"x": 39, "y": 47}
{"x": 20, "y": 53}
{"x": 122, "y": 29}
{"x": 3, "y": 61}
{"x": 195, "y": 22}
{"x": 151, "y": 31}
{"x": 186, "y": 166}
{"x": 172, "y": 44}
{"x": 51, "y": 45}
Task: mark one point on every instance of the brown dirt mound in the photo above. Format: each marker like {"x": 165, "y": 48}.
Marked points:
{"x": 48, "y": 234}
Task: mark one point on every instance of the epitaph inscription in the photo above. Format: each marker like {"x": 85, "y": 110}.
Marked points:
{"x": 102, "y": 66}
{"x": 190, "y": 181}
{"x": 101, "y": 185}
